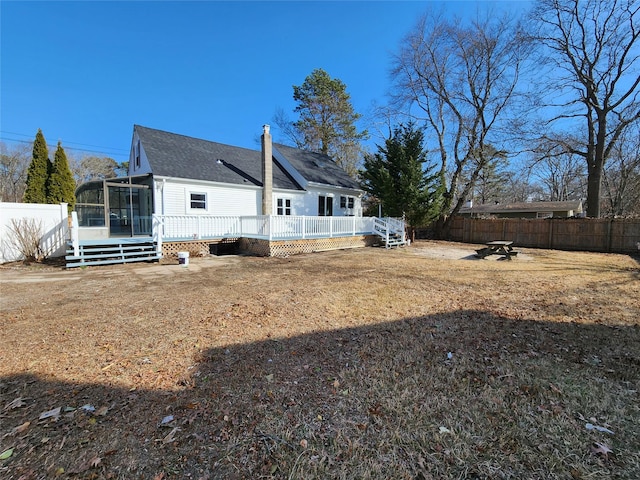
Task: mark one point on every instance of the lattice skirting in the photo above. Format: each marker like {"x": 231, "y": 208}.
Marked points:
{"x": 265, "y": 248}
{"x": 196, "y": 248}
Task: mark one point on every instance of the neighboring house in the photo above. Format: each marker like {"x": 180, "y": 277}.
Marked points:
{"x": 524, "y": 210}
{"x": 199, "y": 177}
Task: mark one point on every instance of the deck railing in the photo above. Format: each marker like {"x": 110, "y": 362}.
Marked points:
{"x": 269, "y": 227}
{"x": 176, "y": 228}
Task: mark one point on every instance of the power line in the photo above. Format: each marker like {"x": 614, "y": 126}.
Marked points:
{"x": 69, "y": 143}
{"x": 53, "y": 147}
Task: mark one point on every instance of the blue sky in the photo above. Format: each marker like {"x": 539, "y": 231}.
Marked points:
{"x": 86, "y": 72}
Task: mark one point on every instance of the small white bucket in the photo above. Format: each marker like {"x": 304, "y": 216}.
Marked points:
{"x": 183, "y": 258}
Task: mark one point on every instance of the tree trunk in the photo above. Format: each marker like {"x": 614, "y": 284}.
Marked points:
{"x": 594, "y": 182}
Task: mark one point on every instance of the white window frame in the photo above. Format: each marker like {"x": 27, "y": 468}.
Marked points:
{"x": 347, "y": 202}
{"x": 283, "y": 206}
{"x": 203, "y": 202}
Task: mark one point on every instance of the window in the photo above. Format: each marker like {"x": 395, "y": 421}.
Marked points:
{"x": 346, "y": 202}
{"x": 137, "y": 154}
{"x": 325, "y": 206}
{"x": 284, "y": 206}
{"x": 199, "y": 201}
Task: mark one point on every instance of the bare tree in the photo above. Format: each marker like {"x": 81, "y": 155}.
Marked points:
{"x": 14, "y": 162}
{"x": 89, "y": 168}
{"x": 621, "y": 179}
{"x": 461, "y": 80}
{"x": 591, "y": 48}
{"x": 559, "y": 170}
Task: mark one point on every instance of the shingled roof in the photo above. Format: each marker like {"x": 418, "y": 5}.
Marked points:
{"x": 180, "y": 156}
{"x": 316, "y": 167}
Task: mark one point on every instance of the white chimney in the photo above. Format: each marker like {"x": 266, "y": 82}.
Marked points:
{"x": 267, "y": 171}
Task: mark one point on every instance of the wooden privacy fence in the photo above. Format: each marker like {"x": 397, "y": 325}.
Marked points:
{"x": 588, "y": 234}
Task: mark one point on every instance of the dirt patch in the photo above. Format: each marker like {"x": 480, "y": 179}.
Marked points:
{"x": 460, "y": 251}
{"x": 411, "y": 363}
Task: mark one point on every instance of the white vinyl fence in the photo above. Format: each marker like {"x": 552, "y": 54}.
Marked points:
{"x": 52, "y": 220}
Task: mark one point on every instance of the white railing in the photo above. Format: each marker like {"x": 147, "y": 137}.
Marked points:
{"x": 195, "y": 227}
{"x": 390, "y": 227}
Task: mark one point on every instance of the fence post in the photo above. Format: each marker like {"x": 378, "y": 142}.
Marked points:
{"x": 75, "y": 237}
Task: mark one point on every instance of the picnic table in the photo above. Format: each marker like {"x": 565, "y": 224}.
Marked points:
{"x": 497, "y": 247}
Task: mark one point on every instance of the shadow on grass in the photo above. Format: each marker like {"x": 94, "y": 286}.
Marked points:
{"x": 382, "y": 401}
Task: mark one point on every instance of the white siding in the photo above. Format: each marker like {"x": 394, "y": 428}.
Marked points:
{"x": 143, "y": 167}
{"x": 298, "y": 200}
{"x": 311, "y": 201}
{"x": 175, "y": 196}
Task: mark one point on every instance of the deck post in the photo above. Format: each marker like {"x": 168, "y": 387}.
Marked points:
{"x": 75, "y": 236}
{"x": 157, "y": 233}
{"x": 304, "y": 227}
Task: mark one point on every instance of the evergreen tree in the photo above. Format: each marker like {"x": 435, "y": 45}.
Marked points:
{"x": 327, "y": 120}
{"x": 61, "y": 185}
{"x": 38, "y": 172}
{"x": 398, "y": 176}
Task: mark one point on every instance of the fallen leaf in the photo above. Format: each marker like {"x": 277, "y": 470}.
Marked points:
{"x": 304, "y": 443}
{"x": 336, "y": 384}
{"x": 102, "y": 411}
{"x": 19, "y": 429}
{"x": 55, "y": 414}
{"x": 554, "y": 388}
{"x": 600, "y": 449}
{"x": 17, "y": 403}
{"x": 444, "y": 430}
{"x": 6, "y": 454}
{"x": 91, "y": 463}
{"x": 269, "y": 378}
{"x": 171, "y": 436}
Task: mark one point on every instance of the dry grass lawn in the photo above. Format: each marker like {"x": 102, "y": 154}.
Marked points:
{"x": 416, "y": 363}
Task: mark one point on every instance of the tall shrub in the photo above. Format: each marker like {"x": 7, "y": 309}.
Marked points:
{"x": 38, "y": 172}
{"x": 61, "y": 185}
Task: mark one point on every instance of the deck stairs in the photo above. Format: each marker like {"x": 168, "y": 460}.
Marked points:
{"x": 391, "y": 231}
{"x": 112, "y": 251}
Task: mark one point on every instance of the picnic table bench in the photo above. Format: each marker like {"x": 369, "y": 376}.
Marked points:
{"x": 497, "y": 247}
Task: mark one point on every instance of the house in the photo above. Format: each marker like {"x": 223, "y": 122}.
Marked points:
{"x": 199, "y": 177}
{"x": 524, "y": 210}
{"x": 184, "y": 193}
